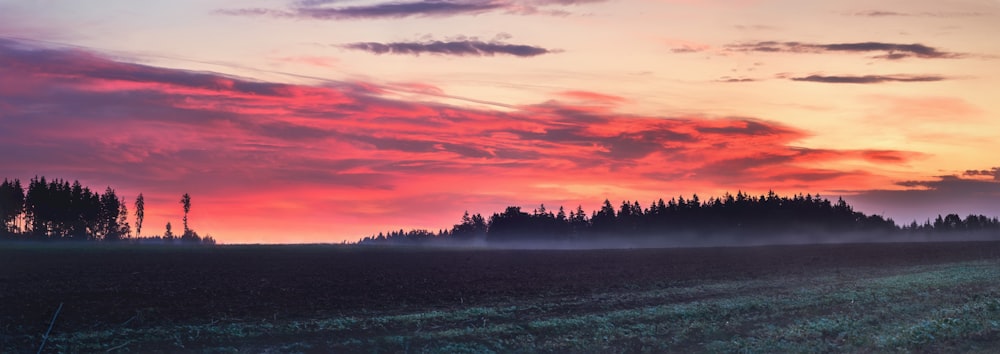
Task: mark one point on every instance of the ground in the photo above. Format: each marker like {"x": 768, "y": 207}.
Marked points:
{"x": 843, "y": 298}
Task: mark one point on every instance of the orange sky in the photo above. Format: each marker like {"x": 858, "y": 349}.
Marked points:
{"x": 324, "y": 121}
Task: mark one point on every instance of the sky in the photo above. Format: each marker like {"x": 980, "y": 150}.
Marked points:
{"x": 294, "y": 121}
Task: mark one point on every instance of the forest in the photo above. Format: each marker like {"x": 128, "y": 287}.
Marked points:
{"x": 742, "y": 216}
{"x": 57, "y": 210}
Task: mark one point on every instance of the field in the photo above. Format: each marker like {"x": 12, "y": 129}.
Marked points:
{"x": 924, "y": 297}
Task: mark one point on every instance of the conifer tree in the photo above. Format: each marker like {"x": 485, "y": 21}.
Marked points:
{"x": 140, "y": 213}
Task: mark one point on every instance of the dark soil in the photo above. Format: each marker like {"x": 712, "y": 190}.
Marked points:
{"x": 113, "y": 286}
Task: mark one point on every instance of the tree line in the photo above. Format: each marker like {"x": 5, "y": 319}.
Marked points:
{"x": 741, "y": 215}
{"x": 58, "y": 210}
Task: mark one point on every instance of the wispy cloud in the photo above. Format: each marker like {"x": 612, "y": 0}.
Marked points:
{"x": 890, "y": 51}
{"x": 869, "y": 79}
{"x": 593, "y": 97}
{"x": 684, "y": 46}
{"x": 399, "y": 9}
{"x": 432, "y": 8}
{"x": 736, "y": 79}
{"x": 456, "y": 48}
{"x": 882, "y": 13}
{"x": 326, "y": 62}
{"x": 319, "y": 9}
{"x": 875, "y": 13}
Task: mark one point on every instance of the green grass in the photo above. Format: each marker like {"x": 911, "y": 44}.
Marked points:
{"x": 948, "y": 307}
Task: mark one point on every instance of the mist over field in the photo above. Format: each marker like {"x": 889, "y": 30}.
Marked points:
{"x": 699, "y": 241}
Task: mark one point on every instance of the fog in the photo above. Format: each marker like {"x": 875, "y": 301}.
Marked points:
{"x": 693, "y": 240}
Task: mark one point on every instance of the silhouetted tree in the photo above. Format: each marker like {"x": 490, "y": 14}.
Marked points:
{"x": 186, "y": 202}
{"x": 125, "y": 229}
{"x": 472, "y": 228}
{"x": 110, "y": 224}
{"x": 742, "y": 215}
{"x": 11, "y": 206}
{"x": 578, "y": 222}
{"x": 169, "y": 234}
{"x": 58, "y": 210}
{"x": 140, "y": 213}
{"x": 603, "y": 221}
{"x": 511, "y": 225}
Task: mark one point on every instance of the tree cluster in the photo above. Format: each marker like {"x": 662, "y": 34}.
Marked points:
{"x": 59, "y": 210}
{"x": 955, "y": 223}
{"x": 741, "y": 215}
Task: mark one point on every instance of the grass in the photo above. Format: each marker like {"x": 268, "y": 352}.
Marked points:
{"x": 951, "y": 307}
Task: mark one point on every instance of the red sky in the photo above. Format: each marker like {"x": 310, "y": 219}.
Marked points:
{"x": 272, "y": 156}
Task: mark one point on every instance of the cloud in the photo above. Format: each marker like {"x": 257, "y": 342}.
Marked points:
{"x": 877, "y": 13}
{"x": 254, "y": 152}
{"x": 736, "y": 79}
{"x": 325, "y": 62}
{"x": 891, "y": 51}
{"x": 308, "y": 3}
{"x": 77, "y": 63}
{"x": 400, "y": 9}
{"x": 926, "y": 199}
{"x": 993, "y": 172}
{"x": 683, "y": 46}
{"x": 456, "y": 48}
{"x": 756, "y": 28}
{"x": 254, "y": 12}
{"x": 592, "y": 97}
{"x": 868, "y": 79}
{"x": 311, "y": 10}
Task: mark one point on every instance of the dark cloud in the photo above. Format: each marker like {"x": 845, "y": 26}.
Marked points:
{"x": 736, "y": 169}
{"x": 457, "y": 48}
{"x": 922, "y": 200}
{"x": 639, "y": 145}
{"x": 892, "y": 51}
{"x": 83, "y": 64}
{"x": 466, "y": 150}
{"x": 868, "y": 79}
{"x": 317, "y": 9}
{"x": 994, "y": 172}
{"x": 399, "y": 9}
{"x": 747, "y": 127}
{"x": 313, "y": 10}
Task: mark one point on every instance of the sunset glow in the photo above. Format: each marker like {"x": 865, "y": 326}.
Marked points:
{"x": 325, "y": 121}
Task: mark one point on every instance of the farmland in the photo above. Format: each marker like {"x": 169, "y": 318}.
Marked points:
{"x": 318, "y": 298}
